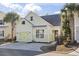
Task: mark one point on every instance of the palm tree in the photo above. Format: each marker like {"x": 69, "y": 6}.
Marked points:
{"x": 11, "y": 17}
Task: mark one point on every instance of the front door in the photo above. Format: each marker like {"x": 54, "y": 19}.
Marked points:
{"x": 56, "y": 34}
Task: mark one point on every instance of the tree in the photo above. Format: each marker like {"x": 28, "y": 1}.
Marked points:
{"x": 71, "y": 9}
{"x": 11, "y": 17}
{"x": 66, "y": 29}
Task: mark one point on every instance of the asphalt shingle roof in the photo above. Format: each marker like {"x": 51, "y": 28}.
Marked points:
{"x": 53, "y": 19}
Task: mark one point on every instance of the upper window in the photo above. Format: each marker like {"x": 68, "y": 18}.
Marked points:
{"x": 23, "y": 22}
{"x": 31, "y": 18}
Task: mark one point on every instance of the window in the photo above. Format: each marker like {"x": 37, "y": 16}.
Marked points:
{"x": 2, "y": 33}
{"x": 39, "y": 33}
{"x": 23, "y": 22}
{"x": 31, "y": 18}
{"x": 1, "y": 22}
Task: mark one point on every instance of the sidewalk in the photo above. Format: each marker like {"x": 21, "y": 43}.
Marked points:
{"x": 62, "y": 51}
{"x": 52, "y": 54}
{"x": 76, "y": 52}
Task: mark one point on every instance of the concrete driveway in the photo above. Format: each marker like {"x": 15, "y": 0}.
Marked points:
{"x": 23, "y": 46}
{"x": 17, "y": 52}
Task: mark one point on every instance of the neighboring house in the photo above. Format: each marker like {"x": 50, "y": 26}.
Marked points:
{"x": 38, "y": 28}
{"x": 2, "y": 26}
{"x": 76, "y": 27}
{"x": 5, "y": 28}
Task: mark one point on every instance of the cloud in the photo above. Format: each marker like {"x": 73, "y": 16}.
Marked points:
{"x": 57, "y": 12}
{"x": 22, "y": 10}
{"x": 12, "y": 6}
{"x": 31, "y": 7}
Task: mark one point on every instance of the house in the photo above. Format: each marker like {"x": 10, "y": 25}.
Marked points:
{"x": 5, "y": 28}
{"x": 2, "y": 26}
{"x": 76, "y": 26}
{"x": 38, "y": 28}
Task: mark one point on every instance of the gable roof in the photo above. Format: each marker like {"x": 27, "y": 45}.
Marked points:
{"x": 53, "y": 19}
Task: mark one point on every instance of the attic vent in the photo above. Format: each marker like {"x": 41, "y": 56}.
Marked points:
{"x": 31, "y": 18}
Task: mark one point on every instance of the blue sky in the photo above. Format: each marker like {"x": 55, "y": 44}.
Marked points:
{"x": 39, "y": 8}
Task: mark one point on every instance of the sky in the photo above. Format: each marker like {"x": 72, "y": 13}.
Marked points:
{"x": 39, "y": 8}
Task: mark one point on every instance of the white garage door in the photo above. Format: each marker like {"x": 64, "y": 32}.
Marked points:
{"x": 24, "y": 37}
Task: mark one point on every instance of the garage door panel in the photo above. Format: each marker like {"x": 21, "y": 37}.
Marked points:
{"x": 24, "y": 36}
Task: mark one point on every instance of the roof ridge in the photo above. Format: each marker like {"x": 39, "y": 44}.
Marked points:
{"x": 50, "y": 15}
